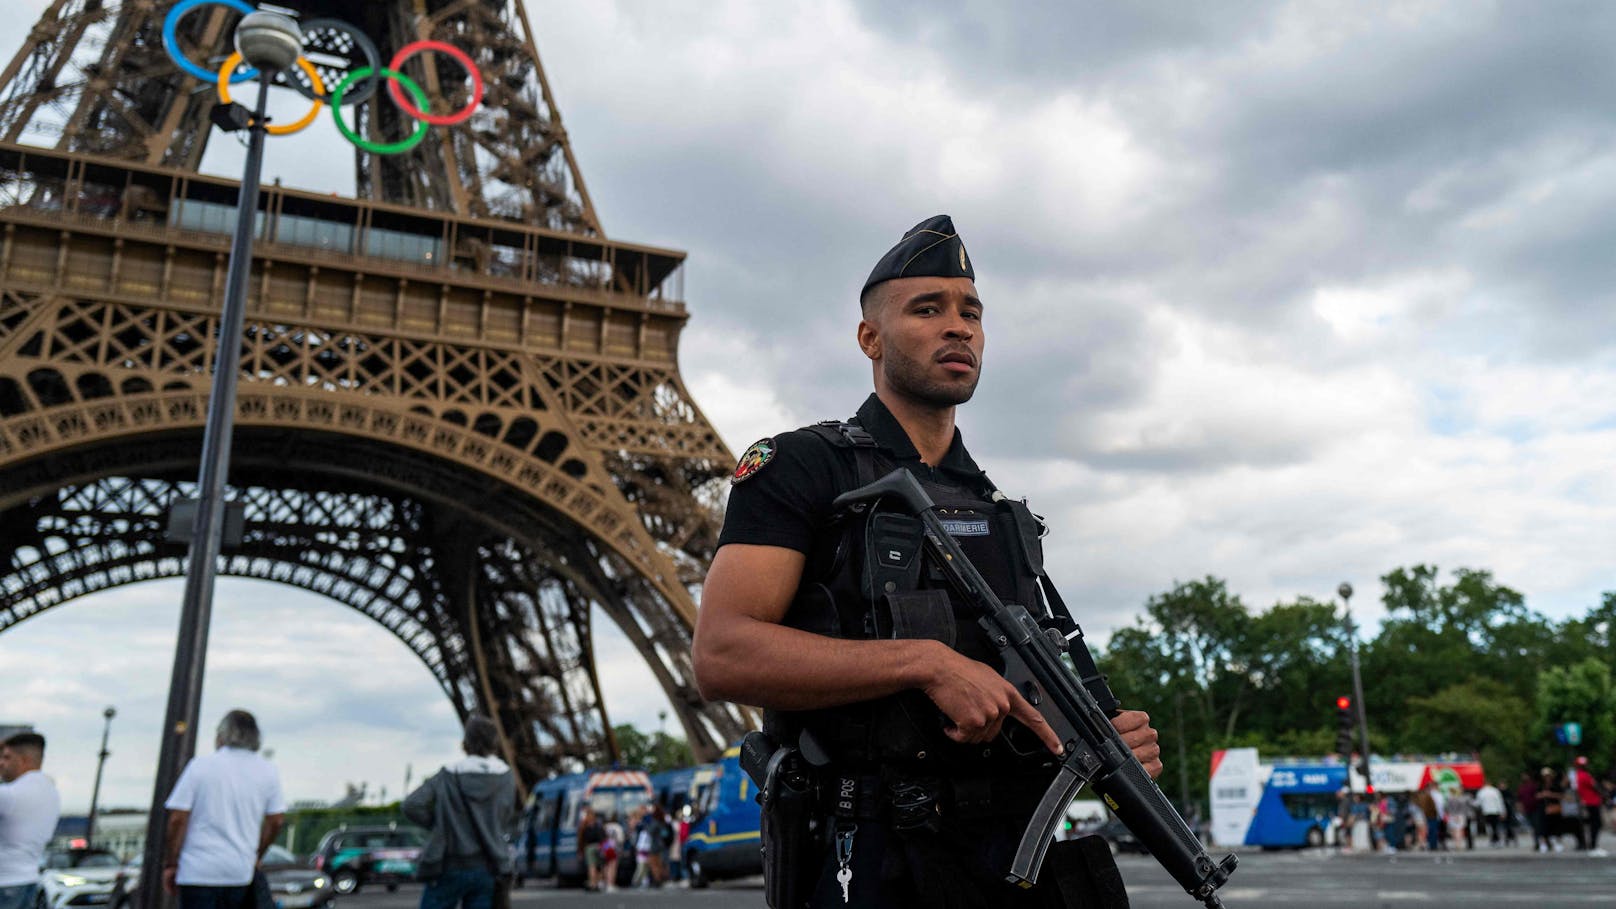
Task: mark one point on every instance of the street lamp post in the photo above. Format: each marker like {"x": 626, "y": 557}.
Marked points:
{"x": 1345, "y": 590}
{"x": 100, "y": 764}
{"x": 269, "y": 42}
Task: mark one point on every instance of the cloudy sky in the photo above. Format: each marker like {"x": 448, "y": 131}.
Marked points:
{"x": 1286, "y": 293}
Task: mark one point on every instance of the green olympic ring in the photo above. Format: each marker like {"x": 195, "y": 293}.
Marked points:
{"x": 392, "y": 148}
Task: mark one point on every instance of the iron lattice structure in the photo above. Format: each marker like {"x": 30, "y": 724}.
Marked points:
{"x": 460, "y": 409}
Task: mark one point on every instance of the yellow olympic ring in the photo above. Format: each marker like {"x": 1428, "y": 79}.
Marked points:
{"x": 234, "y": 60}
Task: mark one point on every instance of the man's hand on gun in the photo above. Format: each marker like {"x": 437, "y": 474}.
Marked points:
{"x": 1134, "y": 727}
{"x": 977, "y": 700}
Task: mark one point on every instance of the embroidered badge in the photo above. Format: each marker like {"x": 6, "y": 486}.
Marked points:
{"x": 754, "y": 460}
{"x": 958, "y": 527}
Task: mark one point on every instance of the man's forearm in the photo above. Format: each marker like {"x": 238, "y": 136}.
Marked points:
{"x": 772, "y": 666}
{"x": 266, "y": 834}
{"x": 177, "y": 823}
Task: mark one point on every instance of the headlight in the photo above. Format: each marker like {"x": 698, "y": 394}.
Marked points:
{"x": 320, "y": 882}
{"x": 71, "y": 880}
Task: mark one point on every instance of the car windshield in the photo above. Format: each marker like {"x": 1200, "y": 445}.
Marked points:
{"x": 81, "y": 859}
{"x": 279, "y": 855}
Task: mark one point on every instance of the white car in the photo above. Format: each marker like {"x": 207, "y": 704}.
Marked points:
{"x": 76, "y": 877}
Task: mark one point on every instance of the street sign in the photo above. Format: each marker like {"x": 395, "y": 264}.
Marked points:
{"x": 1568, "y": 734}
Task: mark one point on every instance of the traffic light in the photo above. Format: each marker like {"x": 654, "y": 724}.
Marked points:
{"x": 1344, "y": 722}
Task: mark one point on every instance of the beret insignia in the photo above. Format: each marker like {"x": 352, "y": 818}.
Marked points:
{"x": 754, "y": 460}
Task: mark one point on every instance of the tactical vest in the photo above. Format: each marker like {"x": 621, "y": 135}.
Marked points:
{"x": 866, "y": 579}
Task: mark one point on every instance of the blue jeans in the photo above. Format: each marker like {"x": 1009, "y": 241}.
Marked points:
{"x": 18, "y": 896}
{"x": 473, "y": 889}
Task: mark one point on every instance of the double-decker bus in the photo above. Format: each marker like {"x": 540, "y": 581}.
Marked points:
{"x": 1291, "y": 802}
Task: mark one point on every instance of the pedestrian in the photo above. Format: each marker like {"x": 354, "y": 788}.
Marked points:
{"x": 29, "y": 809}
{"x": 661, "y": 843}
{"x": 592, "y": 843}
{"x": 1591, "y": 800}
{"x": 1551, "y": 806}
{"x": 611, "y": 851}
{"x": 468, "y": 808}
{"x": 894, "y": 684}
{"x": 1490, "y": 802}
{"x": 1460, "y": 823}
{"x": 1396, "y": 823}
{"x": 223, "y": 813}
{"x": 1430, "y": 816}
{"x": 676, "y": 853}
{"x": 1532, "y": 810}
{"x": 642, "y": 848}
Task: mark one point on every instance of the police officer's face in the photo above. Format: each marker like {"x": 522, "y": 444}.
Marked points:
{"x": 926, "y": 339}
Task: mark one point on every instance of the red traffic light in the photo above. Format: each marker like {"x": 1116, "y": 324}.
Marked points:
{"x": 1343, "y": 702}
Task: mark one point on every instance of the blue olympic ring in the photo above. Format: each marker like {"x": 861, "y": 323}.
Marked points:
{"x": 171, "y": 41}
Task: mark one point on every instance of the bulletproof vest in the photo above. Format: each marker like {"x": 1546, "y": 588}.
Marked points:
{"x": 866, "y": 578}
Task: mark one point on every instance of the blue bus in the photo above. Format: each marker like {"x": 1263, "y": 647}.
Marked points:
{"x": 549, "y": 844}
{"x": 1297, "y": 804}
{"x": 725, "y": 833}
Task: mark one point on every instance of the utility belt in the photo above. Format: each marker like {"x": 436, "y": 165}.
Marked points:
{"x": 905, "y": 802}
{"x": 809, "y": 805}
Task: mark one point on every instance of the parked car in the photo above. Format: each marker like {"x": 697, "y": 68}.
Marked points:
{"x": 293, "y": 884}
{"x": 76, "y": 877}
{"x": 1119, "y": 837}
{"x": 355, "y": 857}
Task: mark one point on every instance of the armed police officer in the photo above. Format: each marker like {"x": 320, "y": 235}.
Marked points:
{"x": 920, "y": 763}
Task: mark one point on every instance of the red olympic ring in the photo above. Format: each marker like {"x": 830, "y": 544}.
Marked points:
{"x": 461, "y": 57}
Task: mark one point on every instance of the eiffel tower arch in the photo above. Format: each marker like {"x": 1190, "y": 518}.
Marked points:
{"x": 460, "y": 408}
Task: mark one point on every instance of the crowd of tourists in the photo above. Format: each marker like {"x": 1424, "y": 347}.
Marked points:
{"x": 1554, "y": 810}
{"x": 653, "y": 837}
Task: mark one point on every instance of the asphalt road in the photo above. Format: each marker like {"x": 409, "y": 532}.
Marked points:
{"x": 1290, "y": 879}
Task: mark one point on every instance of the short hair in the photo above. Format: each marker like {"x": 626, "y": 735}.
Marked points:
{"x": 872, "y": 298}
{"x": 27, "y": 741}
{"x": 482, "y": 736}
{"x": 238, "y": 729}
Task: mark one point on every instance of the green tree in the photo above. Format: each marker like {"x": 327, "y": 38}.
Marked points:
{"x": 655, "y": 752}
{"x": 1478, "y": 715}
{"x": 1580, "y": 693}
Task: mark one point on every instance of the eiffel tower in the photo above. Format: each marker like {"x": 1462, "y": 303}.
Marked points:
{"x": 460, "y": 408}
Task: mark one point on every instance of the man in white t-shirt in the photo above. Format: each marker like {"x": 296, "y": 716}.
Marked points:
{"x": 223, "y": 813}
{"x": 29, "y": 808}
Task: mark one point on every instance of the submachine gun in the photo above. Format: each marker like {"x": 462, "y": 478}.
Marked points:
{"x": 1094, "y": 751}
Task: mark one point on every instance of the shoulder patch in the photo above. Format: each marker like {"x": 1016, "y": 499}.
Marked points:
{"x": 755, "y": 459}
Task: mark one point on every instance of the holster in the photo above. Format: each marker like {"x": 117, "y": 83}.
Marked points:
{"x": 791, "y": 829}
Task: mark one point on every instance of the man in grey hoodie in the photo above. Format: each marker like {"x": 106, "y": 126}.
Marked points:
{"x": 468, "y": 807}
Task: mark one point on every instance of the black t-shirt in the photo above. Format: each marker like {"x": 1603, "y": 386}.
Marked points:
{"x": 787, "y": 501}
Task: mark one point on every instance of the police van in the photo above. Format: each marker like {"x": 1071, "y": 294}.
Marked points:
{"x": 725, "y": 832}
{"x": 549, "y": 844}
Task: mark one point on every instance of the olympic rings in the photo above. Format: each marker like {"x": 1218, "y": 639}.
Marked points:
{"x": 461, "y": 57}
{"x": 315, "y": 90}
{"x": 234, "y": 60}
{"x": 393, "y": 148}
{"x": 171, "y": 41}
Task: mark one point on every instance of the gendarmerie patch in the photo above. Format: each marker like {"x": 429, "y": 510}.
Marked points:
{"x": 755, "y": 459}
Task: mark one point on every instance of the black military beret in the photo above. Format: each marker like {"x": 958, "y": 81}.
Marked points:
{"x": 931, "y": 249}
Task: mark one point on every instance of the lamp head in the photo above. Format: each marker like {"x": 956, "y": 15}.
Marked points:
{"x": 269, "y": 41}
{"x": 109, "y": 713}
{"x": 1345, "y": 590}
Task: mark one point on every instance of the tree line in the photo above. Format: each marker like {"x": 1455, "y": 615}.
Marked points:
{"x": 1460, "y": 665}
